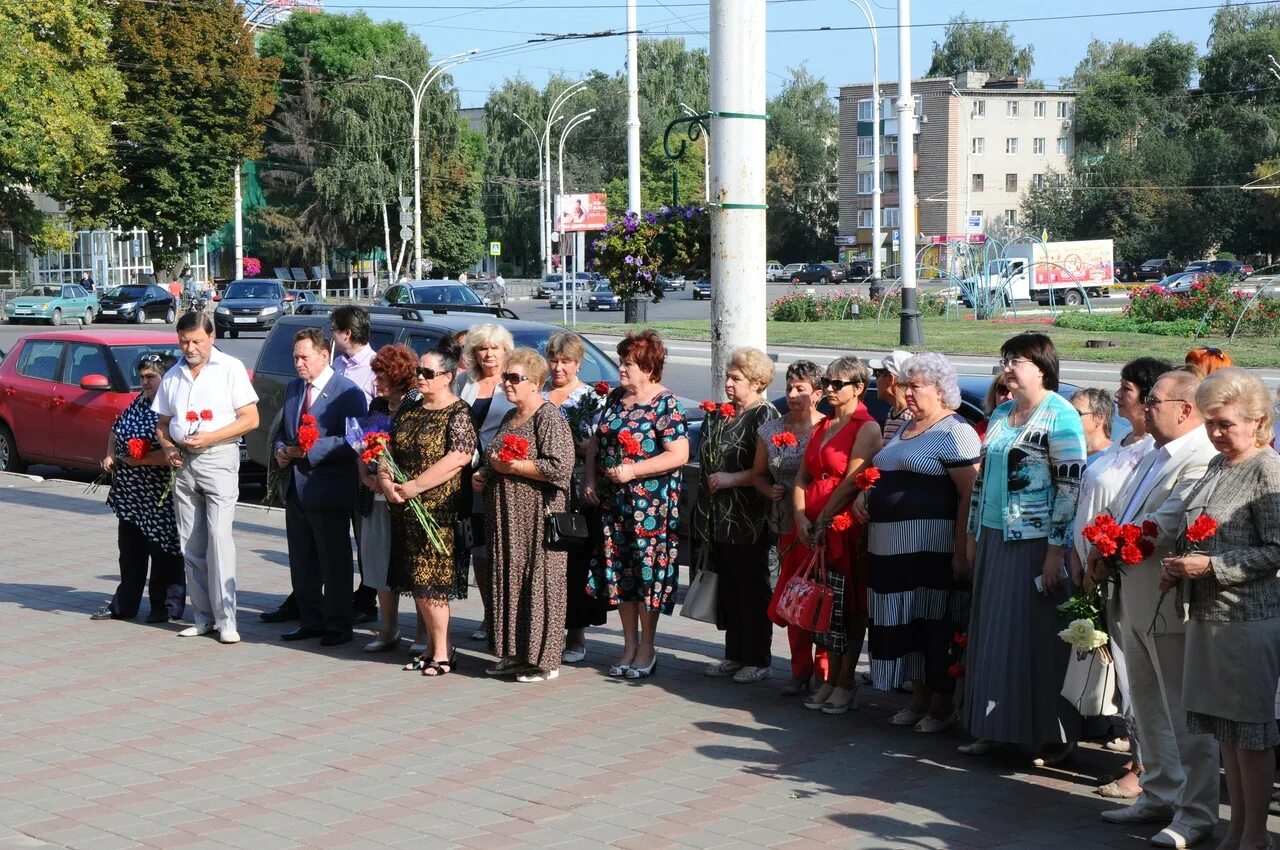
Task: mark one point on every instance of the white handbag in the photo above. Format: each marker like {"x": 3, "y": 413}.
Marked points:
{"x": 1090, "y": 683}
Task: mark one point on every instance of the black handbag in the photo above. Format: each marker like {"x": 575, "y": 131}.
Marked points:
{"x": 566, "y": 530}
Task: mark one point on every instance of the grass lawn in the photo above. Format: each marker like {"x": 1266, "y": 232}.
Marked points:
{"x": 965, "y": 336}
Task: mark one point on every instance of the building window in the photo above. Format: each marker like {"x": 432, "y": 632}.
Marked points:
{"x": 1037, "y": 147}
{"x": 1063, "y": 146}
{"x": 1038, "y": 110}
{"x": 889, "y": 146}
{"x": 976, "y": 214}
{"x": 1059, "y": 179}
{"x": 1011, "y": 109}
{"x": 889, "y": 217}
{"x": 979, "y": 109}
{"x": 978, "y": 183}
{"x": 889, "y": 181}
{"x": 1064, "y": 109}
{"x": 864, "y": 110}
{"x": 1011, "y": 146}
{"x": 864, "y": 145}
{"x": 1011, "y": 182}
{"x": 918, "y": 106}
{"x": 978, "y": 146}
{"x": 865, "y": 181}
{"x": 1011, "y": 218}
{"x": 1037, "y": 180}
{"x": 865, "y": 220}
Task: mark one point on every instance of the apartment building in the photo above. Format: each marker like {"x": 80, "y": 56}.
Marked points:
{"x": 981, "y": 142}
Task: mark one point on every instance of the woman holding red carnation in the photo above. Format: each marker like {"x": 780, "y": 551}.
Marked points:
{"x": 730, "y": 518}
{"x": 918, "y": 574}
{"x": 147, "y": 527}
{"x": 779, "y": 452}
{"x": 841, "y": 446}
{"x": 1231, "y": 578}
{"x": 526, "y": 475}
{"x": 581, "y": 404}
{"x": 633, "y": 472}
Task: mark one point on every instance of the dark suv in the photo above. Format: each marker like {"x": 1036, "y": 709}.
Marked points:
{"x": 250, "y": 305}
{"x": 1157, "y": 270}
{"x": 418, "y": 329}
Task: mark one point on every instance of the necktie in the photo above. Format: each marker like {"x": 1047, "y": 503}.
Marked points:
{"x": 306, "y": 400}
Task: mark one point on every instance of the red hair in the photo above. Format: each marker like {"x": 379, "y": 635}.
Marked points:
{"x": 646, "y": 350}
{"x": 398, "y": 366}
{"x": 1206, "y": 360}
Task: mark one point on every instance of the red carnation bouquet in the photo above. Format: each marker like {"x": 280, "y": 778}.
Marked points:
{"x": 784, "y": 439}
{"x": 308, "y": 432}
{"x": 378, "y": 448}
{"x": 867, "y": 478}
{"x": 1121, "y": 545}
{"x": 582, "y": 416}
{"x": 513, "y": 448}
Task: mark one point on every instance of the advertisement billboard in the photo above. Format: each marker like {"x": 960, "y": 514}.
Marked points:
{"x": 581, "y": 212}
{"x": 1088, "y": 261}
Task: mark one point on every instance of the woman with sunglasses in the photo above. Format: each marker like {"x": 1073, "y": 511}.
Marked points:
{"x": 147, "y": 527}
{"x": 432, "y": 441}
{"x": 841, "y": 446}
{"x": 525, "y": 477}
{"x": 1021, "y": 516}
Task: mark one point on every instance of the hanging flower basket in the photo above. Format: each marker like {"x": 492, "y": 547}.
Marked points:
{"x": 634, "y": 250}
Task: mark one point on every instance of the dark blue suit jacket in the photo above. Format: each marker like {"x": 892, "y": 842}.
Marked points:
{"x": 326, "y": 477}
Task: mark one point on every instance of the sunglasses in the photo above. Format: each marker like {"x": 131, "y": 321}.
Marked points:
{"x": 1208, "y": 349}
{"x": 836, "y": 384}
{"x": 513, "y": 378}
{"x": 429, "y": 374}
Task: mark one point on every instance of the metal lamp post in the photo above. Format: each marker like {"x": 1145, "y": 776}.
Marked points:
{"x": 542, "y": 198}
{"x": 416, "y": 94}
{"x": 706, "y": 153}
{"x": 552, "y": 117}
{"x": 877, "y": 234}
{"x": 566, "y": 289}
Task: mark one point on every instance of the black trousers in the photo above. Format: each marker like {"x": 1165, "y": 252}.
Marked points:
{"x": 582, "y": 609}
{"x": 744, "y": 593}
{"x": 366, "y": 597}
{"x": 320, "y": 565}
{"x": 167, "y": 571}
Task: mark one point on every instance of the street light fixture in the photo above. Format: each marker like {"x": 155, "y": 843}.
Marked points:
{"x": 416, "y": 94}
{"x": 565, "y": 288}
{"x": 706, "y": 153}
{"x": 553, "y": 115}
{"x": 542, "y": 198}
{"x": 877, "y": 235}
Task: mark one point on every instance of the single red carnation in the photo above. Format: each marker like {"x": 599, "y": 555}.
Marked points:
{"x": 1150, "y": 529}
{"x": 708, "y": 406}
{"x": 960, "y": 639}
{"x": 728, "y": 411}
{"x": 867, "y": 478}
{"x": 601, "y": 388}
{"x": 1130, "y": 533}
{"x": 1202, "y": 529}
{"x": 841, "y": 522}
{"x": 1106, "y": 546}
{"x": 138, "y": 448}
{"x": 192, "y": 416}
{"x": 956, "y": 671}
{"x": 1130, "y": 554}
{"x": 1146, "y": 547}
{"x": 206, "y": 415}
{"x": 630, "y": 443}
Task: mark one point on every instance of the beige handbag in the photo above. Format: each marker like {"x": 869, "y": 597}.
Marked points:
{"x": 1090, "y": 683}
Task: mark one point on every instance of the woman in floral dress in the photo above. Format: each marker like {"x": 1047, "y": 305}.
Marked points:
{"x": 779, "y": 453}
{"x": 633, "y": 473}
{"x": 730, "y": 518}
{"x": 526, "y": 473}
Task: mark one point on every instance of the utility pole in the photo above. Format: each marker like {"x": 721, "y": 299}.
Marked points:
{"x": 633, "y": 110}
{"x": 877, "y": 234}
{"x": 909, "y": 327}
{"x": 738, "y": 118}
{"x": 239, "y": 226}
{"x": 553, "y": 115}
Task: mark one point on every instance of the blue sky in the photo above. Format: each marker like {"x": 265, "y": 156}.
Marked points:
{"x": 449, "y": 26}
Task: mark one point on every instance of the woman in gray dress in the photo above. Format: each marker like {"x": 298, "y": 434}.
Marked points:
{"x": 1230, "y": 577}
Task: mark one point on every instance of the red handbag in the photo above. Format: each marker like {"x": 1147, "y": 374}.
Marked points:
{"x": 807, "y": 602}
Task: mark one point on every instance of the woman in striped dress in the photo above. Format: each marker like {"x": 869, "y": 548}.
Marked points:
{"x": 916, "y": 516}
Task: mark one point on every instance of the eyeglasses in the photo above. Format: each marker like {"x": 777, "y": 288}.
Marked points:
{"x": 1002, "y": 390}
{"x": 1011, "y": 362}
{"x": 513, "y": 378}
{"x": 1152, "y": 402}
{"x": 429, "y": 374}
{"x": 836, "y": 384}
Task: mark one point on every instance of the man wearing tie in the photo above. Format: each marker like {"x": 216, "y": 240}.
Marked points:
{"x": 319, "y": 490}
{"x": 1180, "y": 785}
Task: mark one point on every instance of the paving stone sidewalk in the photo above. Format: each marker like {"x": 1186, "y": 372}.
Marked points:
{"x": 119, "y": 734}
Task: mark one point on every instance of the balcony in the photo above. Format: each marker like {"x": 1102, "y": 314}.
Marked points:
{"x": 887, "y": 199}
{"x": 891, "y": 162}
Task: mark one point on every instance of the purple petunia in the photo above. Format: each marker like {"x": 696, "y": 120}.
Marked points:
{"x": 628, "y": 259}
{"x": 651, "y": 218}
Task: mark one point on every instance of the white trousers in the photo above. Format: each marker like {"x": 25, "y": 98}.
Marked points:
{"x": 204, "y": 499}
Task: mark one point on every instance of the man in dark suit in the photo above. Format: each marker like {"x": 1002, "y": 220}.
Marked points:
{"x": 319, "y": 487}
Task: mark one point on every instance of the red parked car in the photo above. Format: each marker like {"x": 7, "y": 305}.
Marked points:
{"x": 61, "y": 390}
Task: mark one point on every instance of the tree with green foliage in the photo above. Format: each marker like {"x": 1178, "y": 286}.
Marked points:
{"x": 514, "y": 164}
{"x": 974, "y": 46}
{"x": 197, "y": 97}
{"x": 804, "y": 127}
{"x": 59, "y": 92}
{"x": 335, "y": 46}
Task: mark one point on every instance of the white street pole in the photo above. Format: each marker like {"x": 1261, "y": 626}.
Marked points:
{"x": 737, "y": 180}
{"x": 553, "y": 115}
{"x": 567, "y": 287}
{"x": 633, "y": 110}
{"x": 239, "y": 225}
{"x": 909, "y": 330}
{"x": 416, "y": 95}
{"x": 877, "y": 235}
{"x": 706, "y": 154}
{"x": 542, "y": 195}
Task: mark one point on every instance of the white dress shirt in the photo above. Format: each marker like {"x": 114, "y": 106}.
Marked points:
{"x": 222, "y": 387}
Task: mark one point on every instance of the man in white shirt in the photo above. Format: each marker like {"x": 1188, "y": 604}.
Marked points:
{"x": 205, "y": 404}
{"x": 1180, "y": 785}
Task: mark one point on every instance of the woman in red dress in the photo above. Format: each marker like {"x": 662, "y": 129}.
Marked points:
{"x": 841, "y": 446}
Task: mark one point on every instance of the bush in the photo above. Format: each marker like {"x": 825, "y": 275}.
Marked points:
{"x": 1214, "y": 301}
{"x": 1123, "y": 324}
{"x": 803, "y": 307}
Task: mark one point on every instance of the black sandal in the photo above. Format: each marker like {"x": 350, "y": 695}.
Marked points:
{"x": 440, "y": 668}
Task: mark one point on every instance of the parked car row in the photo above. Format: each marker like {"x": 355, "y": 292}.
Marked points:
{"x": 1159, "y": 269}
{"x": 818, "y": 272}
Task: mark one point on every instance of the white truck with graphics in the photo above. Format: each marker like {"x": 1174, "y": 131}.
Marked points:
{"x": 1047, "y": 272}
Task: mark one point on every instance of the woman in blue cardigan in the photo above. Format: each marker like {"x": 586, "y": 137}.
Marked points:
{"x": 1020, "y": 525}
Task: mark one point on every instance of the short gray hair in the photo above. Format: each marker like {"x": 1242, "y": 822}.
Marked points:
{"x": 938, "y": 371}
{"x": 1099, "y": 403}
